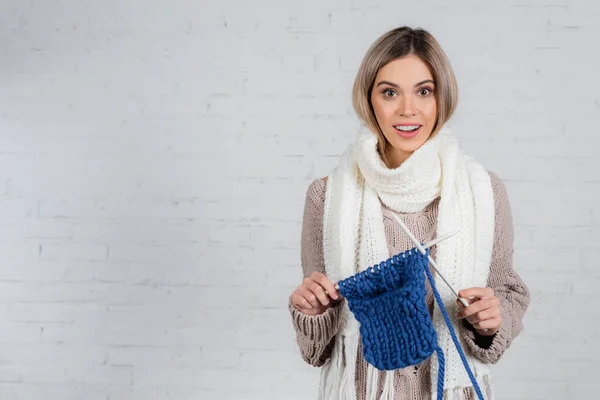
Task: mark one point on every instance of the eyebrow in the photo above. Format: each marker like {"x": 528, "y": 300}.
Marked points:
{"x": 398, "y": 87}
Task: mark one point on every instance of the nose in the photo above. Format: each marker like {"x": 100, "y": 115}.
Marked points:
{"x": 406, "y": 107}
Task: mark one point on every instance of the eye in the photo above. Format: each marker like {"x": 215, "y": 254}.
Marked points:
{"x": 427, "y": 89}
{"x": 386, "y": 91}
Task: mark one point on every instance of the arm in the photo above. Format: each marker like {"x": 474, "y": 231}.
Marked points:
{"x": 314, "y": 333}
{"x": 506, "y": 283}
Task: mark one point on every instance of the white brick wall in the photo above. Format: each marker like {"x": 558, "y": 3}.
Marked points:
{"x": 154, "y": 158}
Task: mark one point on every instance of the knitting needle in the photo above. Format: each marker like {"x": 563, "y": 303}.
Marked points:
{"x": 464, "y": 302}
{"x": 429, "y": 244}
{"x": 441, "y": 239}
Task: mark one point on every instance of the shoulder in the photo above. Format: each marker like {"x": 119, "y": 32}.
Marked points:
{"x": 501, "y": 199}
{"x": 315, "y": 194}
{"x": 497, "y": 186}
{"x": 319, "y": 185}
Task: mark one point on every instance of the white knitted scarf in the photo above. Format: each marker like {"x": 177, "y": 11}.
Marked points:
{"x": 354, "y": 239}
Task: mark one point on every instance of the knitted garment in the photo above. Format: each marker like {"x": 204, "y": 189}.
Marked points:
{"x": 316, "y": 334}
{"x": 388, "y": 300}
{"x": 354, "y": 238}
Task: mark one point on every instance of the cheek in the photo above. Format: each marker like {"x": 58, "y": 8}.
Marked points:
{"x": 431, "y": 110}
{"x": 384, "y": 108}
{"x": 379, "y": 109}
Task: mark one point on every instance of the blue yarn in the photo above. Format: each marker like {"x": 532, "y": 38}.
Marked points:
{"x": 388, "y": 300}
{"x": 453, "y": 334}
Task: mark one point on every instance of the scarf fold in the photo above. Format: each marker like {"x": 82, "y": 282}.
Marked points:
{"x": 354, "y": 239}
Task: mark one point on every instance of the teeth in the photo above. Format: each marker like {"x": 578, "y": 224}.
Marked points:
{"x": 406, "y": 128}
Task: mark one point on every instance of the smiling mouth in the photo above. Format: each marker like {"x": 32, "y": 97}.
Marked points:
{"x": 407, "y": 128}
{"x": 408, "y": 131}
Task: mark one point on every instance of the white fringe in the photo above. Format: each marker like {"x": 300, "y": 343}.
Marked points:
{"x": 348, "y": 383}
{"x": 485, "y": 384}
{"x": 338, "y": 379}
{"x": 331, "y": 372}
{"x": 388, "y": 387}
{"x": 372, "y": 382}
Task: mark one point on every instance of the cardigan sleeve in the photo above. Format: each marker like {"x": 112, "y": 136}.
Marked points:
{"x": 508, "y": 287}
{"x": 314, "y": 333}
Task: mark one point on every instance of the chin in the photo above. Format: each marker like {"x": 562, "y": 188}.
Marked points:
{"x": 408, "y": 146}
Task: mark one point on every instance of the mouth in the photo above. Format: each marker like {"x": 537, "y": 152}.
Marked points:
{"x": 408, "y": 131}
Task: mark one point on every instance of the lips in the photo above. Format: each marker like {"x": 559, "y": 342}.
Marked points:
{"x": 408, "y": 134}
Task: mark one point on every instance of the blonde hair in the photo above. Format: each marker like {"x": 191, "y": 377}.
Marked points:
{"x": 398, "y": 43}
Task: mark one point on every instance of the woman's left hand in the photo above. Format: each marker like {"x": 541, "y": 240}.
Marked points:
{"x": 483, "y": 311}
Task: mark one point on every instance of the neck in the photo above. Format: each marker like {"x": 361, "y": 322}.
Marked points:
{"x": 395, "y": 158}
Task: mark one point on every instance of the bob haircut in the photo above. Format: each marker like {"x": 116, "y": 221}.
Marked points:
{"x": 398, "y": 43}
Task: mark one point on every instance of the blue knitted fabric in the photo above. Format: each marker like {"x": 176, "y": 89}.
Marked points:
{"x": 390, "y": 306}
{"x": 389, "y": 302}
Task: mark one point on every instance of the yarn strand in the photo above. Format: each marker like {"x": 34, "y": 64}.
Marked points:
{"x": 453, "y": 334}
{"x": 441, "y": 372}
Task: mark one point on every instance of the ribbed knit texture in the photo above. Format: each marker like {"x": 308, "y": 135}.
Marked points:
{"x": 388, "y": 300}
{"x": 315, "y": 333}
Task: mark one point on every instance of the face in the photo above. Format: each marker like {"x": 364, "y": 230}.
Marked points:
{"x": 403, "y": 99}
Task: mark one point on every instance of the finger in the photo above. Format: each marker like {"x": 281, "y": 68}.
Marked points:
{"x": 308, "y": 311}
{"x": 303, "y": 310}
{"x": 308, "y": 291}
{"x": 491, "y": 324}
{"x": 459, "y": 301}
{"x": 309, "y": 296}
{"x": 326, "y": 283}
{"x": 487, "y": 332}
{"x": 483, "y": 315}
{"x": 318, "y": 291}
{"x": 479, "y": 305}
{"x": 300, "y": 301}
{"x": 480, "y": 292}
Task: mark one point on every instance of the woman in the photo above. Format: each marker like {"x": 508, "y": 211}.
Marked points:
{"x": 406, "y": 161}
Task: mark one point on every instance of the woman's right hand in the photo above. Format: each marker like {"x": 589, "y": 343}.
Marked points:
{"x": 311, "y": 296}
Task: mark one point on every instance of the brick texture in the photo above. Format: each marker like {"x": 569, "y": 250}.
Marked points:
{"x": 154, "y": 160}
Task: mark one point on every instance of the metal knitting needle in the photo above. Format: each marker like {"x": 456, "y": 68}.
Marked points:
{"x": 428, "y": 245}
{"x": 440, "y": 239}
{"x": 464, "y": 302}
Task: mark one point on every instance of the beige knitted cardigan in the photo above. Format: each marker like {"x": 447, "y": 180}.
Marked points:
{"x": 315, "y": 333}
